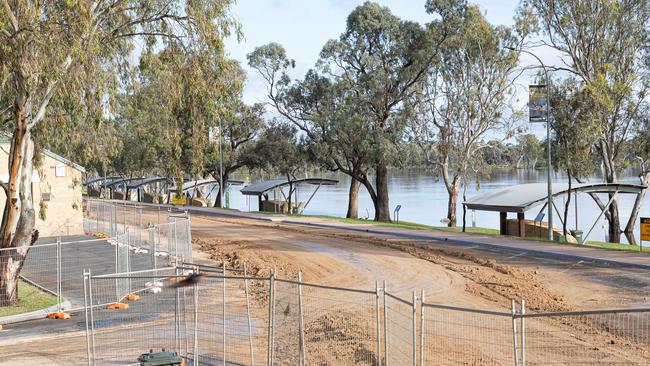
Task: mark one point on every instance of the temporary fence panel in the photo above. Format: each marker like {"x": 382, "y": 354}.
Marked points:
{"x": 451, "y": 335}
{"x": 608, "y": 337}
{"x": 399, "y": 330}
{"x": 339, "y": 325}
{"x": 119, "y": 331}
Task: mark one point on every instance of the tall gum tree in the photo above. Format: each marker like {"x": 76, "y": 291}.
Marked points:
{"x": 602, "y": 42}
{"x": 379, "y": 59}
{"x": 49, "y": 50}
{"x": 464, "y": 98}
{"x": 325, "y": 111}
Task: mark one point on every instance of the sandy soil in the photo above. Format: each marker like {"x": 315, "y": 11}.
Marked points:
{"x": 471, "y": 278}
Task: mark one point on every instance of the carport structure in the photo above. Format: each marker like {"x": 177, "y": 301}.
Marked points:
{"x": 111, "y": 183}
{"x": 264, "y": 188}
{"x": 198, "y": 187}
{"x": 520, "y": 198}
{"x": 153, "y": 185}
{"x": 97, "y": 184}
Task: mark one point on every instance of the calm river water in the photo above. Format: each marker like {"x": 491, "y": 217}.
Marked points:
{"x": 424, "y": 200}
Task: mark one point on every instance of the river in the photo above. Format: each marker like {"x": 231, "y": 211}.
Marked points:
{"x": 424, "y": 200}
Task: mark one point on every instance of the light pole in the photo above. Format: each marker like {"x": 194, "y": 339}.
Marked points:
{"x": 220, "y": 166}
{"x": 549, "y": 202}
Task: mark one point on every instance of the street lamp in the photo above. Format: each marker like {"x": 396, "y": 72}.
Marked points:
{"x": 549, "y": 202}
{"x": 220, "y": 165}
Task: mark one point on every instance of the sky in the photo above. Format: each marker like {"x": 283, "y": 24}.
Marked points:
{"x": 303, "y": 27}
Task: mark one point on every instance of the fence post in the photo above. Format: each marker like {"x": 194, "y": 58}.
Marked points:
{"x": 269, "y": 354}
{"x": 248, "y": 316}
{"x": 385, "y": 327}
{"x": 176, "y": 312}
{"x": 117, "y": 267}
{"x": 196, "y": 320}
{"x": 415, "y": 337}
{"x": 422, "y": 328}
{"x": 522, "y": 332}
{"x": 377, "y": 321}
{"x": 514, "y": 331}
{"x": 128, "y": 260}
{"x": 152, "y": 246}
{"x": 301, "y": 324}
{"x": 58, "y": 273}
{"x": 92, "y": 317}
{"x": 223, "y": 314}
{"x": 85, "y": 276}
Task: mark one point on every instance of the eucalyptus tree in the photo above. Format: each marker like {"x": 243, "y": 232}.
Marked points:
{"x": 280, "y": 150}
{"x": 53, "y": 53}
{"x": 374, "y": 67}
{"x": 575, "y": 129}
{"x": 465, "y": 98}
{"x": 325, "y": 111}
{"x": 602, "y": 42}
{"x": 242, "y": 125}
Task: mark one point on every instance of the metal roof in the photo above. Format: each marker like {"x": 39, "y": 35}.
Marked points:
{"x": 260, "y": 188}
{"x": 99, "y": 179}
{"x": 119, "y": 181}
{"x": 519, "y": 198}
{"x": 144, "y": 181}
{"x": 203, "y": 182}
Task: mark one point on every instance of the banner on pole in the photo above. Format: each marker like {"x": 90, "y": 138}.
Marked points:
{"x": 213, "y": 134}
{"x": 645, "y": 228}
{"x": 537, "y": 103}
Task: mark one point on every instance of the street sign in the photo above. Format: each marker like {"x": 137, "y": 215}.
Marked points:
{"x": 537, "y": 103}
{"x": 645, "y": 228}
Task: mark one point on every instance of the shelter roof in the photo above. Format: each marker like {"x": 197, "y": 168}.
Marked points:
{"x": 520, "y": 198}
{"x": 259, "y": 188}
{"x": 203, "y": 182}
{"x": 100, "y": 179}
{"x": 144, "y": 181}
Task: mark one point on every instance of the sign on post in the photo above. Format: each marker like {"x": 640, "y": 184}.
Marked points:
{"x": 537, "y": 103}
{"x": 645, "y": 231}
{"x": 645, "y": 228}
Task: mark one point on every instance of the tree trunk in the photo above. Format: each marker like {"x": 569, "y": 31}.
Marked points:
{"x": 634, "y": 215}
{"x": 613, "y": 215}
{"x": 614, "y": 222}
{"x": 18, "y": 219}
{"x": 217, "y": 200}
{"x": 566, "y": 207}
{"x": 452, "y": 203}
{"x": 353, "y": 199}
{"x": 382, "y": 211}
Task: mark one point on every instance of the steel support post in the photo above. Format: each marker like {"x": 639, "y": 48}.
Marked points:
{"x": 514, "y": 332}
{"x": 377, "y": 323}
{"x": 301, "y": 325}
{"x": 223, "y": 313}
{"x": 248, "y": 317}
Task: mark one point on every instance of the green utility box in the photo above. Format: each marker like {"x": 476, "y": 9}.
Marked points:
{"x": 162, "y": 358}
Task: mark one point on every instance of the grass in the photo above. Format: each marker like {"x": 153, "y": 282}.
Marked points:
{"x": 478, "y": 231}
{"x": 30, "y": 298}
{"x": 409, "y": 225}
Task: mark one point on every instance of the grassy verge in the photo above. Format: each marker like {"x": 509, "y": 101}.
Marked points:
{"x": 409, "y": 225}
{"x": 480, "y": 231}
{"x": 30, "y": 298}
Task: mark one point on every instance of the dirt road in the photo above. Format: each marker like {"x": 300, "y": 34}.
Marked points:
{"x": 474, "y": 277}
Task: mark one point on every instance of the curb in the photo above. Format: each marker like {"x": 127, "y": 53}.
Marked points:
{"x": 33, "y": 315}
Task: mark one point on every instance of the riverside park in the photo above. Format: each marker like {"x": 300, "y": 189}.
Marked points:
{"x": 324, "y": 183}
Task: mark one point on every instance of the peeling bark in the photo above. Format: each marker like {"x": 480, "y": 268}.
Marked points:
{"x": 353, "y": 199}
{"x": 382, "y": 211}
